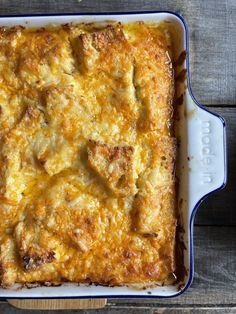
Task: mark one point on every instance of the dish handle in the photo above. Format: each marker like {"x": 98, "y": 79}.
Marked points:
{"x": 206, "y": 152}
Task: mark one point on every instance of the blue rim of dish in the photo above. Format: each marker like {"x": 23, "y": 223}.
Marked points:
{"x": 193, "y": 212}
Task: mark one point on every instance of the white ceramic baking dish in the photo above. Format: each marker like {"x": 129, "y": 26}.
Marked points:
{"x": 201, "y": 165}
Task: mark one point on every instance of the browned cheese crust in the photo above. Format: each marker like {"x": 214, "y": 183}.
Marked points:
{"x": 87, "y": 157}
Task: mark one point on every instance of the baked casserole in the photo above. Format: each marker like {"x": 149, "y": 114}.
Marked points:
{"x": 87, "y": 155}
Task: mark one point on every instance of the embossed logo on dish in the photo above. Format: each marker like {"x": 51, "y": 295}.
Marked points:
{"x": 206, "y": 150}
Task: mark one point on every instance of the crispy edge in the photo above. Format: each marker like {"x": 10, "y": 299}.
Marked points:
{"x": 88, "y": 46}
{"x": 153, "y": 195}
{"x": 31, "y": 254}
{"x": 120, "y": 180}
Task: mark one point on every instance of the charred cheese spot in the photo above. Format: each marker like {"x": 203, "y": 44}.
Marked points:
{"x": 33, "y": 251}
{"x": 32, "y": 260}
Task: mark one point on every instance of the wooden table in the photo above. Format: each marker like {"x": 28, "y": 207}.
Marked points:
{"x": 213, "y": 75}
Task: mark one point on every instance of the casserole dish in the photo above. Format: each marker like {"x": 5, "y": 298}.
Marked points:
{"x": 201, "y": 165}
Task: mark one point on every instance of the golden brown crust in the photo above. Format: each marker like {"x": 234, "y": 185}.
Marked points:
{"x": 155, "y": 200}
{"x": 115, "y": 165}
{"x": 32, "y": 260}
{"x": 8, "y": 274}
{"x": 87, "y": 184}
{"x": 32, "y": 254}
{"x": 97, "y": 49}
{"x": 153, "y": 80}
{"x": 108, "y": 56}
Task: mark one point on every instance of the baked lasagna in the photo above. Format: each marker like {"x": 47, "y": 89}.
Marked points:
{"x": 87, "y": 155}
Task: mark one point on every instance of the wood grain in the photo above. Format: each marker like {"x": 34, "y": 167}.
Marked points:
{"x": 212, "y": 36}
{"x": 202, "y": 310}
{"x": 7, "y": 309}
{"x": 61, "y": 304}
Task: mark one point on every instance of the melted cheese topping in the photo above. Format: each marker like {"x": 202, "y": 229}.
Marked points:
{"x": 86, "y": 155}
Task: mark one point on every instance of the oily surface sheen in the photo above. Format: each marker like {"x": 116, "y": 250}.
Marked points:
{"x": 86, "y": 155}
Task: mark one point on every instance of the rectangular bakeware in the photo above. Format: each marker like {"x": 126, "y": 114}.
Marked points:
{"x": 201, "y": 158}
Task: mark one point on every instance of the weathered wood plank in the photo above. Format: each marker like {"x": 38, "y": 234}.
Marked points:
{"x": 7, "y": 309}
{"x": 61, "y": 304}
{"x": 213, "y": 50}
{"x": 210, "y": 310}
{"x": 215, "y": 272}
{"x": 212, "y": 36}
{"x": 219, "y": 208}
